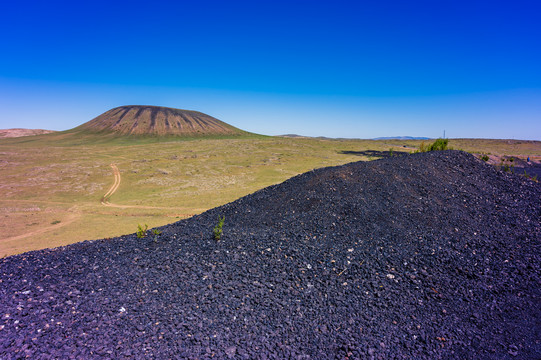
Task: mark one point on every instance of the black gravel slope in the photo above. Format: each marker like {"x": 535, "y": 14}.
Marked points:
{"x": 425, "y": 256}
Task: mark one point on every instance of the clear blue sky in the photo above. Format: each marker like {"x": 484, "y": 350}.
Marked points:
{"x": 332, "y": 68}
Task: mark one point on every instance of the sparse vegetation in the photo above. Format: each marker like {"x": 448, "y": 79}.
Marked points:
{"x": 55, "y": 222}
{"x": 141, "y": 233}
{"x": 390, "y": 152}
{"x": 218, "y": 231}
{"x": 527, "y": 176}
{"x": 484, "y": 158}
{"x": 438, "y": 145}
{"x": 507, "y": 165}
{"x": 156, "y": 233}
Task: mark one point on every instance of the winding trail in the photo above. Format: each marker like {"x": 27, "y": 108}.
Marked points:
{"x": 112, "y": 189}
{"x": 105, "y": 198}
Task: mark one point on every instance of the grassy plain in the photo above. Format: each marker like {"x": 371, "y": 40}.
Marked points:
{"x": 51, "y": 186}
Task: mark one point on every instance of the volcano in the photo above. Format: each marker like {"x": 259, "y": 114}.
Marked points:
{"x": 158, "y": 121}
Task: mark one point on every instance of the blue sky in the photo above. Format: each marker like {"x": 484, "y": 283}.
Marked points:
{"x": 358, "y": 69}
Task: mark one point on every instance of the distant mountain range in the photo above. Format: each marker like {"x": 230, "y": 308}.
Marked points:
{"x": 379, "y": 138}
{"x": 293, "y": 136}
{"x": 402, "y": 138}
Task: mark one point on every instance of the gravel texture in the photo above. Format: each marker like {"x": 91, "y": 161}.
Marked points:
{"x": 423, "y": 256}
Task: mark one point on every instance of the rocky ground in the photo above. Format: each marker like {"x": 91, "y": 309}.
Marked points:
{"x": 423, "y": 256}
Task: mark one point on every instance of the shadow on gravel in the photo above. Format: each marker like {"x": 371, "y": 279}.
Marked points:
{"x": 374, "y": 153}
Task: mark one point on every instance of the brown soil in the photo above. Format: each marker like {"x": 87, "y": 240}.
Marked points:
{"x": 73, "y": 215}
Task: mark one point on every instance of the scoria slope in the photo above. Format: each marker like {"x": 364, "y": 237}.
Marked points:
{"x": 424, "y": 256}
{"x": 158, "y": 121}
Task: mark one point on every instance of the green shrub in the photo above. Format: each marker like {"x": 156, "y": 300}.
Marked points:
{"x": 141, "y": 233}
{"x": 217, "y": 231}
{"x": 438, "y": 145}
{"x": 507, "y": 165}
{"x": 156, "y": 233}
{"x": 484, "y": 158}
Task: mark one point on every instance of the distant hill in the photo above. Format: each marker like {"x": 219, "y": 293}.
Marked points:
{"x": 157, "y": 121}
{"x": 402, "y": 138}
{"x": 379, "y": 138}
{"x": 293, "y": 136}
{"x": 13, "y": 133}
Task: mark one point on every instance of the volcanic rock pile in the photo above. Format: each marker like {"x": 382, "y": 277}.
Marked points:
{"x": 422, "y": 256}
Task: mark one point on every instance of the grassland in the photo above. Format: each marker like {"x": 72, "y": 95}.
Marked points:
{"x": 52, "y": 186}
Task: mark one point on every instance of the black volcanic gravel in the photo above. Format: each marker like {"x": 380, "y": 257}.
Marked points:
{"x": 424, "y": 256}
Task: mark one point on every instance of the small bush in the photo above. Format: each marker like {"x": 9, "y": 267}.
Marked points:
{"x": 438, "y": 145}
{"x": 507, "y": 165}
{"x": 217, "y": 231}
{"x": 484, "y": 158}
{"x": 156, "y": 233}
{"x": 141, "y": 233}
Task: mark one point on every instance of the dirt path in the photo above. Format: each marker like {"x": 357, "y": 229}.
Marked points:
{"x": 112, "y": 189}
